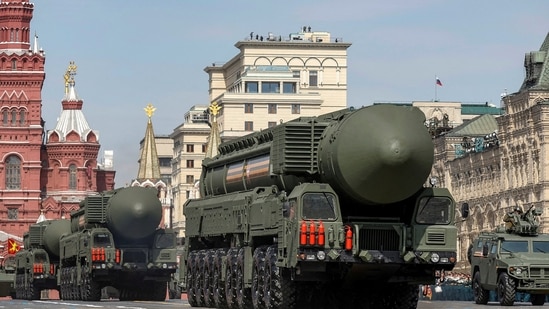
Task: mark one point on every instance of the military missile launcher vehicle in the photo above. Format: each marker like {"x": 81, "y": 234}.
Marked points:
{"x": 323, "y": 212}
{"x": 115, "y": 241}
{"x": 37, "y": 264}
{"x": 512, "y": 258}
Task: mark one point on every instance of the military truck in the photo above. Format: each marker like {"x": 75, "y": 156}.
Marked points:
{"x": 333, "y": 211}
{"x": 512, "y": 258}
{"x": 7, "y": 276}
{"x": 116, "y": 241}
{"x": 37, "y": 264}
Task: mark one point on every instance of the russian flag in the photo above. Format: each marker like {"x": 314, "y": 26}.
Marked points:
{"x": 439, "y": 82}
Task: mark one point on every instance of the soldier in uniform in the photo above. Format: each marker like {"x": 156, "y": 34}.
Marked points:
{"x": 512, "y": 217}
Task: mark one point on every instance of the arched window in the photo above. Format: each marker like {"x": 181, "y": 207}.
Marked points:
{"x": 13, "y": 117}
{"x": 72, "y": 177}
{"x": 5, "y": 117}
{"x": 22, "y": 117}
{"x": 13, "y": 173}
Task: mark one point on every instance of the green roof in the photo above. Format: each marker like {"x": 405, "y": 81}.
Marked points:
{"x": 478, "y": 126}
{"x": 480, "y": 109}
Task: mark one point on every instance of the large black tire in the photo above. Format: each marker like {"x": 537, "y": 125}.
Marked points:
{"x": 537, "y": 299}
{"x": 258, "y": 277}
{"x": 207, "y": 282}
{"x": 219, "y": 296}
{"x": 230, "y": 278}
{"x": 480, "y": 295}
{"x": 506, "y": 290}
{"x": 18, "y": 287}
{"x": 189, "y": 278}
{"x": 198, "y": 274}
{"x": 33, "y": 292}
{"x": 243, "y": 294}
{"x": 280, "y": 291}
{"x": 92, "y": 289}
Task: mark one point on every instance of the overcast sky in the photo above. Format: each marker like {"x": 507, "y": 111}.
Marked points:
{"x": 132, "y": 53}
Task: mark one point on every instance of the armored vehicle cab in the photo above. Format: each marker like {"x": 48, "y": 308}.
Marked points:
{"x": 513, "y": 258}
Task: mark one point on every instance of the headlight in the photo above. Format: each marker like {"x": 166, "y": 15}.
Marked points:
{"x": 435, "y": 257}
{"x": 321, "y": 255}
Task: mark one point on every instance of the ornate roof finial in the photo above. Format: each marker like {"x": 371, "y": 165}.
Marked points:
{"x": 214, "y": 110}
{"x": 149, "y": 110}
{"x": 69, "y": 76}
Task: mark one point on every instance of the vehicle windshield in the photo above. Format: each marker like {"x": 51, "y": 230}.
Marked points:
{"x": 434, "y": 210}
{"x": 40, "y": 257}
{"x": 540, "y": 246}
{"x": 101, "y": 240}
{"x": 164, "y": 241}
{"x": 319, "y": 206}
{"x": 514, "y": 246}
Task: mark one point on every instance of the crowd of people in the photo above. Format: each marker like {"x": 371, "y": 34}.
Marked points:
{"x": 448, "y": 286}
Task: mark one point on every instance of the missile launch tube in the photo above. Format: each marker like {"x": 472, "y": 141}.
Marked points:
{"x": 134, "y": 212}
{"x": 378, "y": 155}
{"x": 53, "y": 231}
{"x": 375, "y": 155}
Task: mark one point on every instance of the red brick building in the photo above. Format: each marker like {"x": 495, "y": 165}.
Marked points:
{"x": 40, "y": 172}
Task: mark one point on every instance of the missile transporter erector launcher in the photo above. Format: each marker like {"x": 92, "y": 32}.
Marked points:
{"x": 320, "y": 211}
{"x": 115, "y": 241}
{"x": 37, "y": 264}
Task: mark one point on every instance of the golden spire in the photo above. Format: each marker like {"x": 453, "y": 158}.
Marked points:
{"x": 215, "y": 138}
{"x": 149, "y": 166}
{"x": 69, "y": 76}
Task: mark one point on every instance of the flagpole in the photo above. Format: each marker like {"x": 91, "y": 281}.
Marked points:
{"x": 436, "y": 99}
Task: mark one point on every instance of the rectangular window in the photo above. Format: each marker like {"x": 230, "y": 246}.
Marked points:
{"x": 296, "y": 74}
{"x": 12, "y": 214}
{"x": 313, "y": 78}
{"x": 248, "y": 108}
{"x": 204, "y": 147}
{"x": 190, "y": 163}
{"x": 190, "y": 148}
{"x": 271, "y": 124}
{"x": 252, "y": 87}
{"x": 270, "y": 87}
{"x": 272, "y": 108}
{"x": 248, "y": 125}
{"x": 190, "y": 178}
{"x": 296, "y": 109}
{"x": 165, "y": 162}
{"x": 289, "y": 88}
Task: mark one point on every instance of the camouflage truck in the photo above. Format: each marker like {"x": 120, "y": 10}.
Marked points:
{"x": 333, "y": 211}
{"x": 512, "y": 258}
{"x": 116, "y": 241}
{"x": 37, "y": 264}
{"x": 7, "y": 276}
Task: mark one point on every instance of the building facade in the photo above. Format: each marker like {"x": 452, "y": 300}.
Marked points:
{"x": 43, "y": 175}
{"x": 272, "y": 80}
{"x": 494, "y": 164}
{"x": 190, "y": 140}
